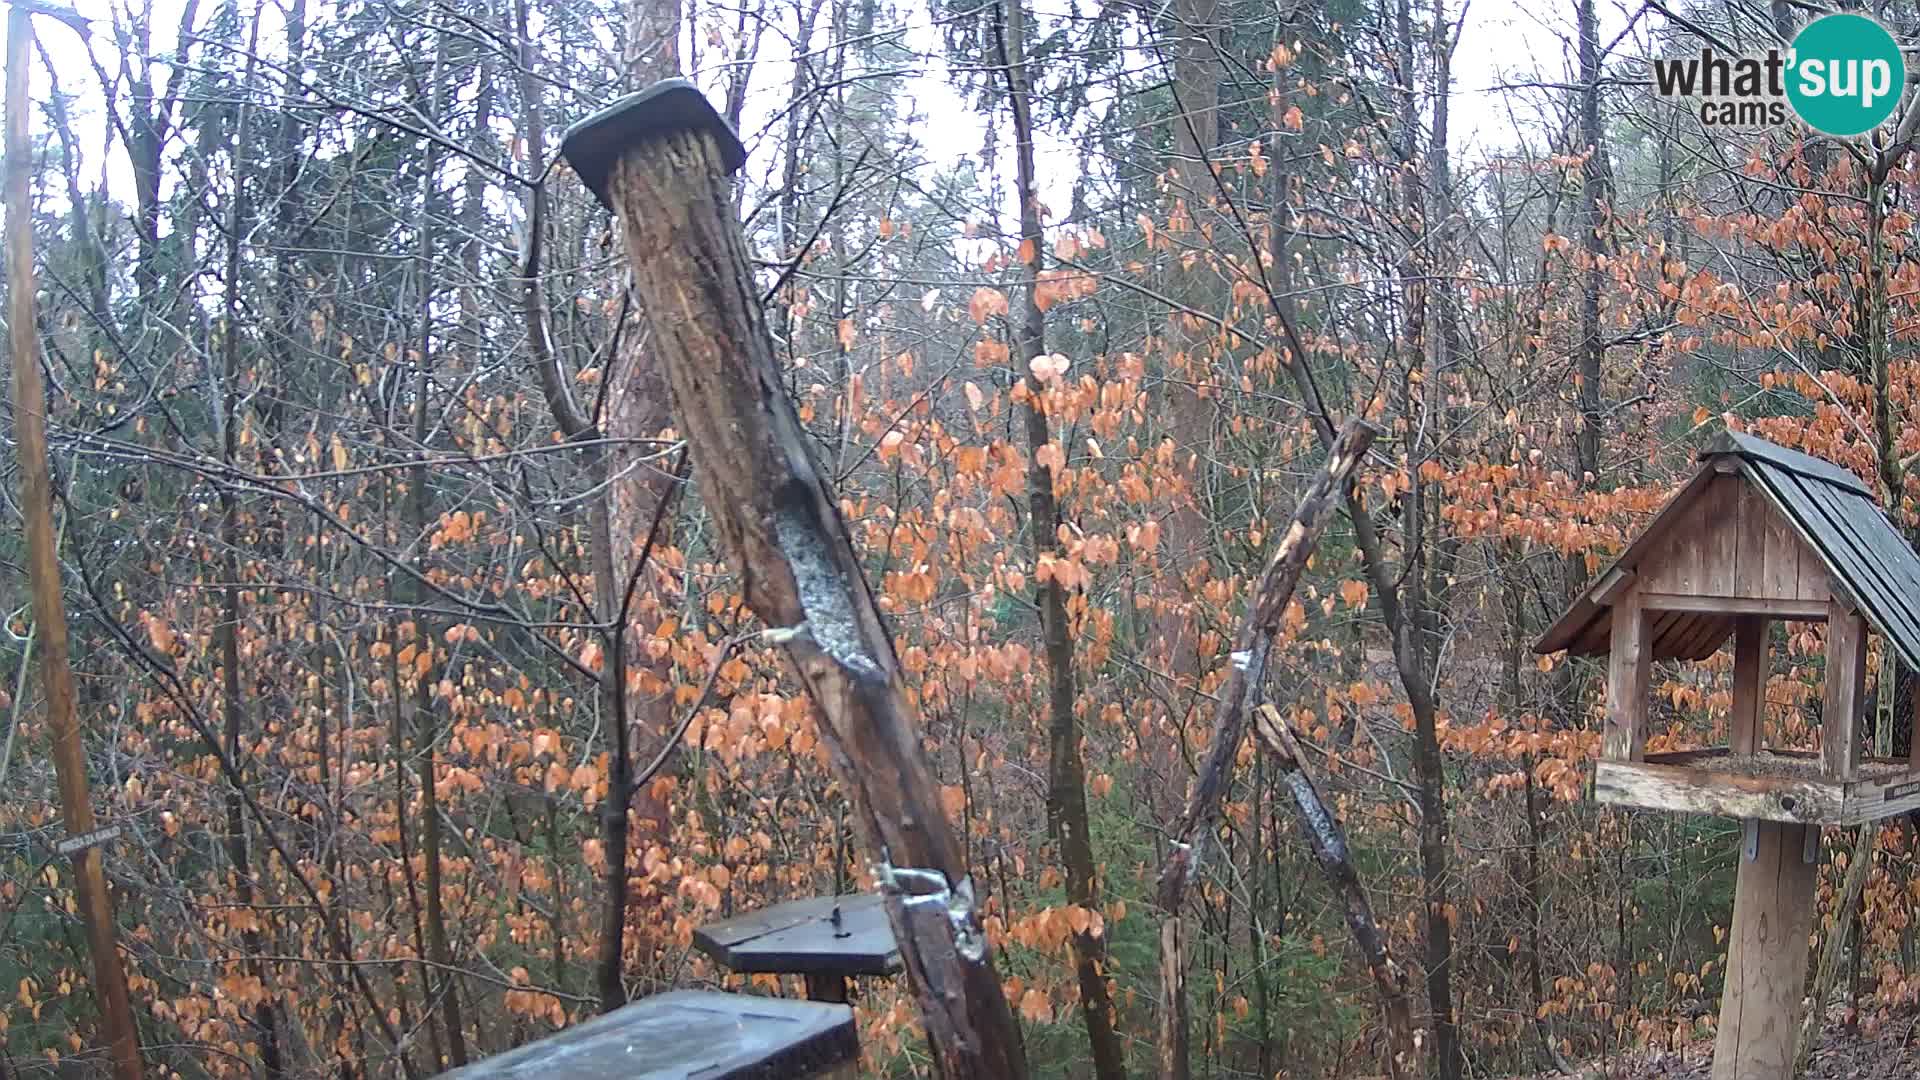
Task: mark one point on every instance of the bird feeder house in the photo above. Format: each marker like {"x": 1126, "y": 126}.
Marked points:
{"x": 1759, "y": 534}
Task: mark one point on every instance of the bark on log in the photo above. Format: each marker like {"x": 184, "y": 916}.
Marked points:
{"x": 1235, "y": 702}
{"x": 664, "y": 169}
{"x": 43, "y": 571}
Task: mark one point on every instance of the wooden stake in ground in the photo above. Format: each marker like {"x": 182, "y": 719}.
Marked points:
{"x": 660, "y": 159}
{"x": 43, "y": 567}
{"x": 1234, "y": 703}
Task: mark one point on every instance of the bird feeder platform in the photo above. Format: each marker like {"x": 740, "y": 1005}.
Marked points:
{"x": 1772, "y": 785}
{"x": 827, "y": 939}
{"x": 687, "y": 1034}
{"x": 1759, "y": 534}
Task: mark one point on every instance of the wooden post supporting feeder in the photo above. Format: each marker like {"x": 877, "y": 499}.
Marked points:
{"x": 660, "y": 160}
{"x": 1759, "y": 534}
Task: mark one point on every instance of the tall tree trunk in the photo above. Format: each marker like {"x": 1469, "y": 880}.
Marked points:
{"x": 638, "y": 409}
{"x": 1429, "y": 766}
{"x": 231, "y": 375}
{"x": 443, "y": 987}
{"x": 1594, "y": 195}
{"x": 1196, "y": 131}
{"x": 43, "y": 565}
{"x": 1066, "y": 773}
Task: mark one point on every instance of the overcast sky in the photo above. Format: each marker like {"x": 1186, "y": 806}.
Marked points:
{"x": 1504, "y": 45}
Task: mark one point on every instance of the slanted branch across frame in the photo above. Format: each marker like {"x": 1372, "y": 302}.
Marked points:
{"x": 660, "y": 159}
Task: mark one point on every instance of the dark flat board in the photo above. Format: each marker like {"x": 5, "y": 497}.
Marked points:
{"x": 798, "y": 937}
{"x": 687, "y": 1035}
{"x": 671, "y": 105}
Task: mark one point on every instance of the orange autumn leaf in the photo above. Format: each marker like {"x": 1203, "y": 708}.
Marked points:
{"x": 986, "y": 303}
{"x": 1354, "y": 593}
{"x": 160, "y": 634}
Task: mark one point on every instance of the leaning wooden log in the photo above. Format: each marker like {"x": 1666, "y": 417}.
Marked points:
{"x": 1329, "y": 843}
{"x": 660, "y": 159}
{"x": 43, "y": 568}
{"x": 1233, "y": 706}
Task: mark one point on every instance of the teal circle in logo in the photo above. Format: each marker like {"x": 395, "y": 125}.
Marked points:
{"x": 1845, "y": 75}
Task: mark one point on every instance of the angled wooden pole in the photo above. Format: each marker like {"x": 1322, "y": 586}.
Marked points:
{"x": 43, "y": 566}
{"x": 1234, "y": 703}
{"x": 1328, "y": 841}
{"x": 660, "y": 159}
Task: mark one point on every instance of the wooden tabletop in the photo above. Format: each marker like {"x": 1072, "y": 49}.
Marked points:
{"x": 800, "y": 937}
{"x": 684, "y": 1035}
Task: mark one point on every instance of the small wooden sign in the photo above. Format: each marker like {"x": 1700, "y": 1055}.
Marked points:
{"x": 73, "y": 845}
{"x": 1901, "y": 791}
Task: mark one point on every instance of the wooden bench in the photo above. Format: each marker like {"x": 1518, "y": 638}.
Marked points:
{"x": 689, "y": 1034}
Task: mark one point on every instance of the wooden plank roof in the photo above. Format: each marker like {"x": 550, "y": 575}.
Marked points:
{"x": 1831, "y": 510}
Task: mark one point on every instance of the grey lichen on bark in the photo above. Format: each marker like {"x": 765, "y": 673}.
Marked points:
{"x": 826, "y": 596}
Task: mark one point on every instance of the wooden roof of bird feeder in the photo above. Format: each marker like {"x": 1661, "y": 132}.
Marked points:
{"x": 686, "y": 1034}
{"x": 1760, "y": 533}
{"x": 828, "y": 939}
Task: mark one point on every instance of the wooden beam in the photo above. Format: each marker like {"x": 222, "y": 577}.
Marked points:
{"x": 1748, "y": 720}
{"x": 1629, "y": 666}
{"x": 1767, "y": 958}
{"x": 1698, "y": 782}
{"x": 1610, "y": 585}
{"x": 1794, "y": 610}
{"x": 1913, "y": 731}
{"x": 1694, "y": 789}
{"x": 1846, "y": 682}
{"x": 1872, "y": 800}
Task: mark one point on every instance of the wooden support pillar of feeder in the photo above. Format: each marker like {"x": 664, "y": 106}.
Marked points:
{"x": 1759, "y": 534}
{"x": 1766, "y": 969}
{"x": 660, "y": 160}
